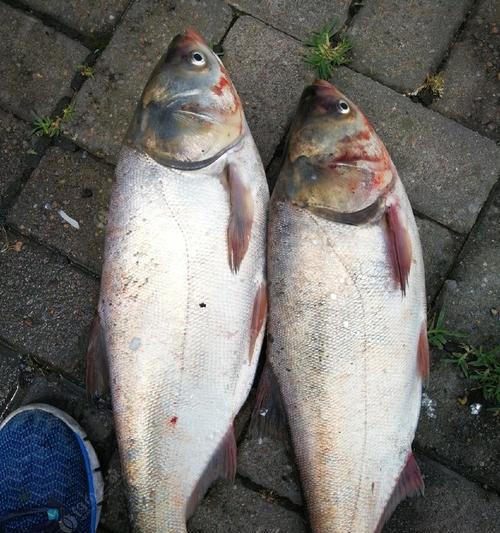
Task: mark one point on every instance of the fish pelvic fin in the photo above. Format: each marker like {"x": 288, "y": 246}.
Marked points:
{"x": 240, "y": 219}
{"x": 259, "y": 314}
{"x": 423, "y": 357}
{"x": 96, "y": 374}
{"x": 398, "y": 246}
{"x": 222, "y": 465}
{"x": 410, "y": 483}
{"x": 268, "y": 416}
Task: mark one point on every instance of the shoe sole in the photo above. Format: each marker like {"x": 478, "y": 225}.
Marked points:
{"x": 92, "y": 462}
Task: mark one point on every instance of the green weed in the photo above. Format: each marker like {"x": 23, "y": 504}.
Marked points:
{"x": 86, "y": 71}
{"x": 51, "y": 127}
{"x": 438, "y": 336}
{"x": 323, "y": 54}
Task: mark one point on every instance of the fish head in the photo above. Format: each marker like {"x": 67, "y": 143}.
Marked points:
{"x": 335, "y": 164}
{"x": 189, "y": 112}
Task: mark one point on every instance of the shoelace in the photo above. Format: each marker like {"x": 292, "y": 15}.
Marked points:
{"x": 52, "y": 514}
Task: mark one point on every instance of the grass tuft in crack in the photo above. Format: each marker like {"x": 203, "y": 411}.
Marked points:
{"x": 51, "y": 127}
{"x": 482, "y": 367}
{"x": 438, "y": 335}
{"x": 86, "y": 71}
{"x": 323, "y": 53}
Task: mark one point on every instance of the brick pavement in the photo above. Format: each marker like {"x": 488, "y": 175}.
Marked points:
{"x": 446, "y": 153}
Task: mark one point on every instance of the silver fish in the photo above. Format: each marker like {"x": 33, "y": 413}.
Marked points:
{"x": 183, "y": 303}
{"x": 347, "y": 344}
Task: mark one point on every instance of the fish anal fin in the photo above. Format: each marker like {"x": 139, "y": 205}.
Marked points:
{"x": 96, "y": 375}
{"x": 423, "y": 358}
{"x": 259, "y": 313}
{"x": 240, "y": 219}
{"x": 398, "y": 246}
{"x": 268, "y": 416}
{"x": 410, "y": 483}
{"x": 222, "y": 465}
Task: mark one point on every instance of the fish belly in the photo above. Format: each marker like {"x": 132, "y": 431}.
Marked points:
{"x": 177, "y": 327}
{"x": 344, "y": 351}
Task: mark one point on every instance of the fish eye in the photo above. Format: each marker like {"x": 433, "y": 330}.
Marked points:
{"x": 198, "y": 59}
{"x": 343, "y": 107}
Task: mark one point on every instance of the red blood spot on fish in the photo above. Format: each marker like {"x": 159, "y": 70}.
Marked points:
{"x": 173, "y": 421}
{"x": 423, "y": 351}
{"x": 220, "y": 86}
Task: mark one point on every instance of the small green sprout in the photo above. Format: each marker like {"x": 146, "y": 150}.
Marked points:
{"x": 482, "y": 367}
{"x": 51, "y": 127}
{"x": 86, "y": 70}
{"x": 323, "y": 54}
{"x": 434, "y": 83}
{"x": 438, "y": 336}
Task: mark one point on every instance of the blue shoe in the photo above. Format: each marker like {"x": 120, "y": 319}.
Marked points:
{"x": 49, "y": 474}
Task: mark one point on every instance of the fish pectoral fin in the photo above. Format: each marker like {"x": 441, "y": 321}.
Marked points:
{"x": 96, "y": 376}
{"x": 398, "y": 246}
{"x": 268, "y": 416}
{"x": 410, "y": 483}
{"x": 222, "y": 465}
{"x": 240, "y": 218}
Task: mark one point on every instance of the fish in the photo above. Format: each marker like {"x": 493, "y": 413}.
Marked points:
{"x": 183, "y": 301}
{"x": 347, "y": 338}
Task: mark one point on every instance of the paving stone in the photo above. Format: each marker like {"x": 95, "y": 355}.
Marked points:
{"x": 296, "y": 17}
{"x": 37, "y": 64}
{"x": 10, "y": 370}
{"x": 89, "y": 18}
{"x": 268, "y": 462}
{"x": 254, "y": 54}
{"x": 451, "y": 504}
{"x": 114, "y": 512}
{"x": 448, "y": 170}
{"x": 471, "y": 75}
{"x": 440, "y": 247}
{"x": 471, "y": 298}
{"x": 450, "y": 431}
{"x": 400, "y": 42}
{"x": 46, "y": 306}
{"x": 104, "y": 105}
{"x": 14, "y": 143}
{"x": 79, "y": 185}
{"x": 59, "y": 392}
{"x": 232, "y": 508}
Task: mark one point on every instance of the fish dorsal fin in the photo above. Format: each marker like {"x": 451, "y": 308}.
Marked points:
{"x": 268, "y": 416}
{"x": 410, "y": 483}
{"x": 96, "y": 376}
{"x": 222, "y": 465}
{"x": 398, "y": 246}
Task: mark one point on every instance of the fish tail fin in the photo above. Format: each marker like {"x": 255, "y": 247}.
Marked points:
{"x": 222, "y": 465}
{"x": 410, "y": 483}
{"x": 268, "y": 416}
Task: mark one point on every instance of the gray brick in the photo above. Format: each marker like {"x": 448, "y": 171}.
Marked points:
{"x": 440, "y": 247}
{"x": 104, "y": 105}
{"x": 59, "y": 392}
{"x": 472, "y": 88}
{"x": 89, "y": 18}
{"x": 10, "y": 371}
{"x": 80, "y": 186}
{"x": 449, "y": 431}
{"x": 452, "y": 504}
{"x": 447, "y": 169}
{"x": 268, "y": 71}
{"x": 400, "y": 42}
{"x": 232, "y": 508}
{"x": 36, "y": 64}
{"x": 268, "y": 462}
{"x": 296, "y": 17}
{"x": 471, "y": 297}
{"x": 14, "y": 143}
{"x": 46, "y": 306}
